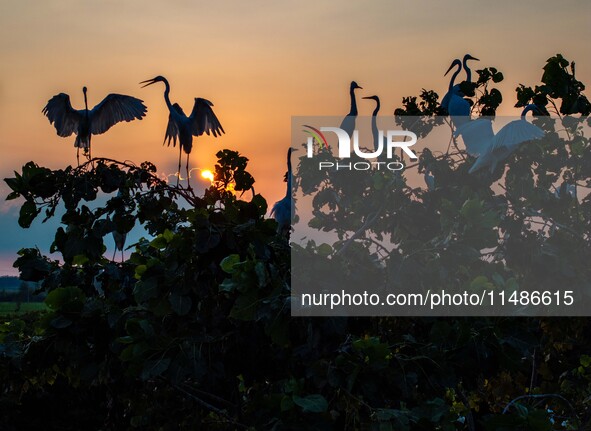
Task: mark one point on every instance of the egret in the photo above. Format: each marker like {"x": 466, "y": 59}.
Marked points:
{"x": 84, "y": 122}
{"x": 429, "y": 180}
{"x": 453, "y": 101}
{"x": 282, "y": 210}
{"x": 507, "y": 140}
{"x": 119, "y": 239}
{"x": 453, "y": 89}
{"x": 466, "y": 68}
{"x": 566, "y": 189}
{"x": 374, "y": 124}
{"x": 348, "y": 124}
{"x": 202, "y": 120}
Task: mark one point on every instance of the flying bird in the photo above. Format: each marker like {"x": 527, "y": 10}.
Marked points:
{"x": 507, "y": 140}
{"x": 348, "y": 124}
{"x": 282, "y": 210}
{"x": 84, "y": 122}
{"x": 202, "y": 120}
{"x": 374, "y": 124}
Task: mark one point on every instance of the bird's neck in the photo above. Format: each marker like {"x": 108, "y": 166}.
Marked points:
{"x": 528, "y": 108}
{"x": 86, "y": 104}
{"x": 288, "y": 191}
{"x": 166, "y": 95}
{"x": 353, "y": 102}
{"x": 375, "y": 111}
{"x": 453, "y": 77}
{"x": 468, "y": 71}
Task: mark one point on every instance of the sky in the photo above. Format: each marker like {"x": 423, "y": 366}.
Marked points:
{"x": 259, "y": 62}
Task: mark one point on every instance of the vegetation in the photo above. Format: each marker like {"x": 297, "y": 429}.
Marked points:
{"x": 193, "y": 330}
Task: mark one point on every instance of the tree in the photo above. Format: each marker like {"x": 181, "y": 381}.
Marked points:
{"x": 194, "y": 330}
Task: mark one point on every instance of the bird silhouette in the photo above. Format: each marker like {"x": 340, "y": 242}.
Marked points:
{"x": 429, "y": 180}
{"x": 84, "y": 122}
{"x": 119, "y": 239}
{"x": 348, "y": 123}
{"x": 202, "y": 120}
{"x": 282, "y": 211}
{"x": 453, "y": 89}
{"x": 494, "y": 149}
{"x": 374, "y": 124}
{"x": 453, "y": 101}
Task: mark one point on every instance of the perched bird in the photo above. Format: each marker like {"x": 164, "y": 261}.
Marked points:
{"x": 466, "y": 68}
{"x": 507, "y": 140}
{"x": 202, "y": 120}
{"x": 348, "y": 124}
{"x": 119, "y": 239}
{"x": 283, "y": 210}
{"x": 85, "y": 123}
{"x": 374, "y": 124}
{"x": 453, "y": 101}
{"x": 453, "y": 88}
{"x": 566, "y": 189}
{"x": 429, "y": 180}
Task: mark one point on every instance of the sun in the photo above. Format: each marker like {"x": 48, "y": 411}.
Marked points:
{"x": 207, "y": 174}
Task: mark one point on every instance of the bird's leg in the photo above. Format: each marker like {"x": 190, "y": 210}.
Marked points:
{"x": 78, "y": 156}
{"x": 114, "y": 253}
{"x": 90, "y": 152}
{"x": 178, "y": 175}
{"x": 187, "y": 168}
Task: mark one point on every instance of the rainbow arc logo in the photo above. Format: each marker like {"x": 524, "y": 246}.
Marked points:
{"x": 315, "y": 135}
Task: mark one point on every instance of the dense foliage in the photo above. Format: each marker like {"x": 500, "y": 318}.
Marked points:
{"x": 193, "y": 330}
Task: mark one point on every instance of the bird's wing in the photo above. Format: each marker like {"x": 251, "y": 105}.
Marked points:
{"x": 458, "y": 106}
{"x": 60, "y": 113}
{"x": 203, "y": 119}
{"x": 477, "y": 135}
{"x": 515, "y": 133}
{"x": 172, "y": 129}
{"x": 113, "y": 109}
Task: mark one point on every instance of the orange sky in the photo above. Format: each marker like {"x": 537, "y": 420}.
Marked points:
{"x": 259, "y": 62}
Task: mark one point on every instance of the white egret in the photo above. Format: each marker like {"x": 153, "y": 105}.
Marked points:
{"x": 348, "y": 124}
{"x": 507, "y": 140}
{"x": 84, "y": 122}
{"x": 282, "y": 211}
{"x": 202, "y": 120}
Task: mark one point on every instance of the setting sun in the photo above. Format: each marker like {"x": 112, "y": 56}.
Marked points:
{"x": 207, "y": 174}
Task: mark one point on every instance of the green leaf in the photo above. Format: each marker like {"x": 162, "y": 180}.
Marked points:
{"x": 227, "y": 264}
{"x": 80, "y": 259}
{"x": 154, "y": 368}
{"x": 180, "y": 304}
{"x": 65, "y": 299}
{"x": 315, "y": 403}
{"x": 27, "y": 214}
{"x": 145, "y": 290}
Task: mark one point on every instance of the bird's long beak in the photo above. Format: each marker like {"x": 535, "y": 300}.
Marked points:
{"x": 450, "y": 68}
{"x": 149, "y": 82}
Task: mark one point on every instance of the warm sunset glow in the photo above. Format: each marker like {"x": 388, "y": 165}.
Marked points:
{"x": 207, "y": 174}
